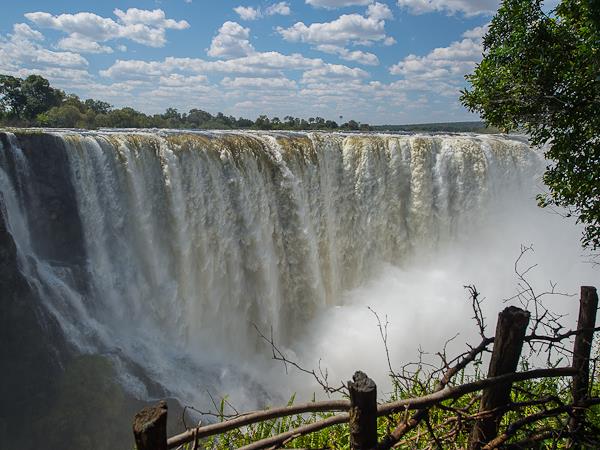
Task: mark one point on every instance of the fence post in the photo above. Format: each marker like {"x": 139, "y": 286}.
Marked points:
{"x": 150, "y": 427}
{"x": 588, "y": 305}
{"x": 363, "y": 412}
{"x": 508, "y": 343}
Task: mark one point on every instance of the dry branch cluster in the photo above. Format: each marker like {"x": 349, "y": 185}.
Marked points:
{"x": 445, "y": 406}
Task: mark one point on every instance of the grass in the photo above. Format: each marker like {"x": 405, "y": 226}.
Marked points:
{"x": 449, "y": 421}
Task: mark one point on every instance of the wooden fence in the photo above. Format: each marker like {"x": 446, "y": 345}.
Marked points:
{"x": 361, "y": 410}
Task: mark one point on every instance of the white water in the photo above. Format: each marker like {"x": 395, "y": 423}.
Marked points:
{"x": 192, "y": 239}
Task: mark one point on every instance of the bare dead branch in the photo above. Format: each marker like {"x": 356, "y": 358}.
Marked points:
{"x": 453, "y": 392}
{"x": 512, "y": 429}
{"x": 476, "y": 301}
{"x": 320, "y": 375}
{"x": 384, "y": 337}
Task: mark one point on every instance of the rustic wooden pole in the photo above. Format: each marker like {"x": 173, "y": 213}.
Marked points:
{"x": 588, "y": 305}
{"x": 508, "y": 343}
{"x": 150, "y": 428}
{"x": 363, "y": 412}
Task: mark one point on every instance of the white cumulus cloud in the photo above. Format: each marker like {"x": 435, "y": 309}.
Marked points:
{"x": 25, "y": 32}
{"x": 442, "y": 70}
{"x": 231, "y": 41}
{"x": 379, "y": 11}
{"x": 259, "y": 83}
{"x": 467, "y": 7}
{"x": 358, "y": 56}
{"x": 333, "y": 4}
{"x": 348, "y": 28}
{"x": 252, "y": 13}
{"x": 175, "y": 80}
{"x": 247, "y": 12}
{"x": 265, "y": 63}
{"x": 477, "y": 32}
{"x": 155, "y": 18}
{"x": 22, "y": 49}
{"x": 142, "y": 26}
{"x": 281, "y": 8}
{"x": 333, "y": 72}
{"x": 22, "y": 54}
{"x": 80, "y": 44}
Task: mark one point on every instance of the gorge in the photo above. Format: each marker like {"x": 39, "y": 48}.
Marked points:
{"x": 162, "y": 250}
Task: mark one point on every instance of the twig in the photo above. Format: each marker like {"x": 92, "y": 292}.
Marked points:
{"x": 321, "y": 377}
{"x": 453, "y": 392}
{"x": 517, "y": 425}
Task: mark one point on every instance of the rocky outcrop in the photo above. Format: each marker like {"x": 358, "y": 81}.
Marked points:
{"x": 52, "y": 213}
{"x": 31, "y": 353}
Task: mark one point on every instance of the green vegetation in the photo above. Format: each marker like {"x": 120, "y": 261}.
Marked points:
{"x": 542, "y": 73}
{"x": 33, "y": 102}
{"x": 446, "y": 127}
{"x": 333, "y": 437}
{"x": 451, "y": 422}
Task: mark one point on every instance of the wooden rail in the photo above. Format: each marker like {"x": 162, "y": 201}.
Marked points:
{"x": 361, "y": 411}
{"x": 256, "y": 417}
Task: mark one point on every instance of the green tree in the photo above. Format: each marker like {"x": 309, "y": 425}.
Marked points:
{"x": 39, "y": 96}
{"x": 75, "y": 101}
{"x": 263, "y": 123}
{"x": 125, "y": 118}
{"x": 541, "y": 73}
{"x": 352, "y": 125}
{"x": 196, "y": 117}
{"x": 12, "y": 99}
{"x": 97, "y": 106}
{"x": 65, "y": 116}
{"x": 243, "y": 123}
{"x": 172, "y": 113}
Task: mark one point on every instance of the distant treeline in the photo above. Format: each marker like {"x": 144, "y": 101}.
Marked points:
{"x": 451, "y": 127}
{"x": 32, "y": 102}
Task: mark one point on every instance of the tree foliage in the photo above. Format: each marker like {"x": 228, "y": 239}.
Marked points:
{"x": 27, "y": 98}
{"x": 12, "y": 100}
{"x": 39, "y": 95}
{"x": 541, "y": 73}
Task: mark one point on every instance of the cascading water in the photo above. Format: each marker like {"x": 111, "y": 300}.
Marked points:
{"x": 188, "y": 240}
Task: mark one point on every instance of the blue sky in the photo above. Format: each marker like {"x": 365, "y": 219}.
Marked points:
{"x": 385, "y": 61}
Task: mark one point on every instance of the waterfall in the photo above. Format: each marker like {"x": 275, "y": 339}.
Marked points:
{"x": 184, "y": 241}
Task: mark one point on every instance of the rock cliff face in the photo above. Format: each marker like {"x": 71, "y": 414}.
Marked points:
{"x": 33, "y": 347}
{"x": 53, "y": 218}
{"x": 48, "y": 389}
